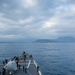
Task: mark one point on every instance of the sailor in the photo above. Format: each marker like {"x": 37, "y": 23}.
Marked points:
{"x": 30, "y": 56}
{"x": 23, "y": 68}
{"x": 14, "y": 57}
{"x": 24, "y": 56}
{"x": 19, "y": 66}
{"x": 37, "y": 68}
{"x": 17, "y": 58}
{"x": 6, "y": 61}
{"x": 0, "y": 72}
{"x": 23, "y": 52}
{"x": 4, "y": 71}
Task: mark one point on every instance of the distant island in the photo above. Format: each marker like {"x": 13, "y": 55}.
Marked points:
{"x": 58, "y": 40}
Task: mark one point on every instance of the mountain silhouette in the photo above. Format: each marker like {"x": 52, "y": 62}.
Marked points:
{"x": 67, "y": 39}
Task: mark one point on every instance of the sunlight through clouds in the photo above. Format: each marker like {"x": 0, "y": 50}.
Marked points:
{"x": 51, "y": 22}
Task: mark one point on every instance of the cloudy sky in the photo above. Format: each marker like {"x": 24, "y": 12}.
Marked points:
{"x": 36, "y": 18}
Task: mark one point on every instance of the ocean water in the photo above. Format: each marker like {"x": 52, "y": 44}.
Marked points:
{"x": 53, "y": 58}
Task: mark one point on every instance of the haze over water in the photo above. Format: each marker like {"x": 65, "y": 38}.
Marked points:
{"x": 53, "y": 58}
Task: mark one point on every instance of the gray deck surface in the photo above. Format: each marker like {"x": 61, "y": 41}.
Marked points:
{"x": 31, "y": 69}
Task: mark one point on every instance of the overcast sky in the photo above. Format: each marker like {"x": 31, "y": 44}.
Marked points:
{"x": 36, "y": 18}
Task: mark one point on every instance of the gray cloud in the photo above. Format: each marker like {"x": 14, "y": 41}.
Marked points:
{"x": 39, "y": 19}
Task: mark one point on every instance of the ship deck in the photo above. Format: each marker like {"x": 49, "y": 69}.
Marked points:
{"x": 27, "y": 67}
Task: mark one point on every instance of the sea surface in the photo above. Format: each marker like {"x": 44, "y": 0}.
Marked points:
{"x": 53, "y": 58}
